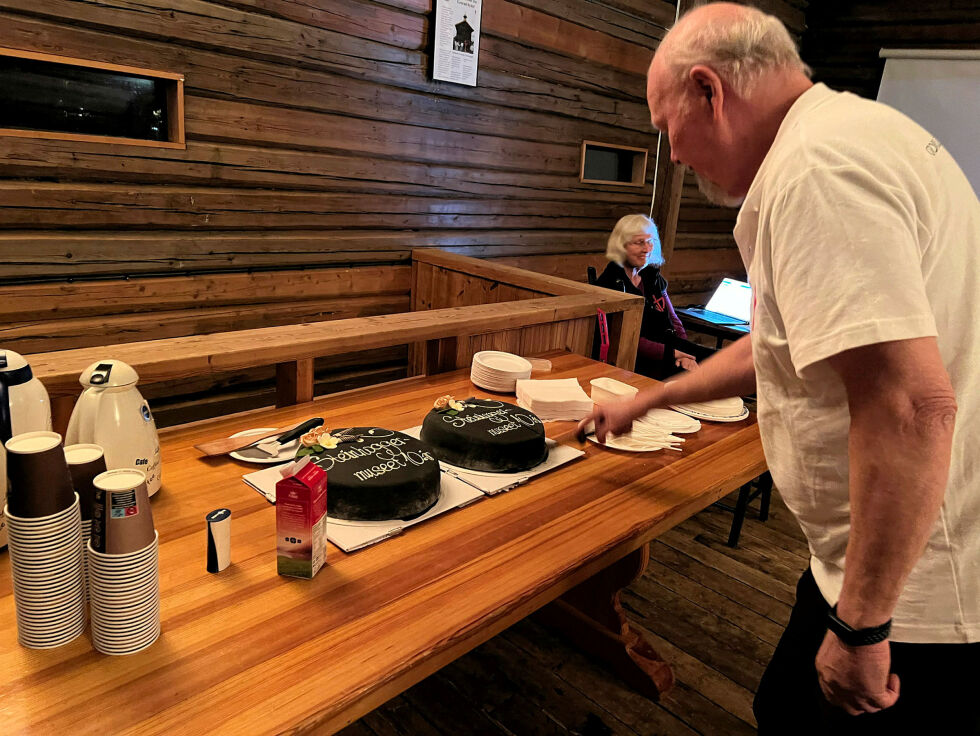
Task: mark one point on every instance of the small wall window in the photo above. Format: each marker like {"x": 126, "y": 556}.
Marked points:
{"x": 607, "y": 163}
{"x": 57, "y": 97}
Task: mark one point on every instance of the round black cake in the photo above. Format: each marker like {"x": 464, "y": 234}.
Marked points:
{"x": 486, "y": 435}
{"x": 376, "y": 474}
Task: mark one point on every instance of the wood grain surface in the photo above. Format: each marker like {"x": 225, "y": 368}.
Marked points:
{"x": 246, "y": 651}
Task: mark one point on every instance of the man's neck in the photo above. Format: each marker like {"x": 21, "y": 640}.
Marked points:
{"x": 770, "y": 103}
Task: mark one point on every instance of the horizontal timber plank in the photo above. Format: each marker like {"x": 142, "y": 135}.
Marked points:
{"x": 60, "y": 254}
{"x": 226, "y": 165}
{"x": 572, "y": 267}
{"x": 248, "y": 378}
{"x": 180, "y": 408}
{"x": 391, "y": 26}
{"x": 100, "y": 206}
{"x": 685, "y": 263}
{"x": 241, "y": 122}
{"x": 42, "y": 302}
{"x": 507, "y": 271}
{"x": 82, "y": 332}
{"x": 207, "y": 354}
{"x": 640, "y": 28}
{"x": 547, "y": 31}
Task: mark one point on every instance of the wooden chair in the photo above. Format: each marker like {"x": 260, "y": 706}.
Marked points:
{"x": 746, "y": 494}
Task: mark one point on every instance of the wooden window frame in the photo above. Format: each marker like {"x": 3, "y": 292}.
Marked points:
{"x": 175, "y": 103}
{"x": 639, "y": 165}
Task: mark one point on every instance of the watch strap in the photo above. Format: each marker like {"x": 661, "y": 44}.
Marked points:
{"x": 857, "y": 637}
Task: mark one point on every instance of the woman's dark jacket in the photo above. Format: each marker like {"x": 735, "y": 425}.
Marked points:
{"x": 658, "y": 312}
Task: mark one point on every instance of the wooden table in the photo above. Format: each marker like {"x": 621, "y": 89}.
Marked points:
{"x": 247, "y": 651}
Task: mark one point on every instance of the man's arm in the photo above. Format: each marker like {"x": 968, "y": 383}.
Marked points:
{"x": 902, "y": 410}
{"x": 729, "y": 372}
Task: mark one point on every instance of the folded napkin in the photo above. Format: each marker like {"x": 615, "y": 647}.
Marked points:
{"x": 555, "y": 399}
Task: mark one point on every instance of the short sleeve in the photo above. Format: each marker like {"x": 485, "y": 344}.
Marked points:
{"x": 846, "y": 265}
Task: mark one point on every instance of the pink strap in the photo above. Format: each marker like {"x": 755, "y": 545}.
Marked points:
{"x": 603, "y": 336}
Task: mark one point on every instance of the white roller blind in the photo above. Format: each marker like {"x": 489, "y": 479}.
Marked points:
{"x": 941, "y": 92}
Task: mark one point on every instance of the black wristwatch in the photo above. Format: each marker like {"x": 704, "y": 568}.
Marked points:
{"x": 857, "y": 637}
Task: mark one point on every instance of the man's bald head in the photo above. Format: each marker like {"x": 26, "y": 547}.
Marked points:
{"x": 739, "y": 42}
{"x": 719, "y": 85}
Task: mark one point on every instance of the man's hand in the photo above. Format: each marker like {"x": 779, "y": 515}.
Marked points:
{"x": 856, "y": 678}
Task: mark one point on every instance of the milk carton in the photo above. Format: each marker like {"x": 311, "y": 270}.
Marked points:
{"x": 301, "y": 519}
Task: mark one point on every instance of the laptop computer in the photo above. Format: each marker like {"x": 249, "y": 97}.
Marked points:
{"x": 730, "y": 305}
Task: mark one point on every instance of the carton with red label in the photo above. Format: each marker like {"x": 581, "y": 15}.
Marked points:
{"x": 301, "y": 519}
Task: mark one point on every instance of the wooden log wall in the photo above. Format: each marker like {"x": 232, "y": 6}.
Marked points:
{"x": 843, "y": 38}
{"x": 319, "y": 153}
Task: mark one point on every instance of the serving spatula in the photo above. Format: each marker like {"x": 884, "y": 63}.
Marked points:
{"x": 232, "y": 444}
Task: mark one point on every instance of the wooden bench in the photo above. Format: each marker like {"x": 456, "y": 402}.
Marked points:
{"x": 499, "y": 307}
{"x": 90, "y": 312}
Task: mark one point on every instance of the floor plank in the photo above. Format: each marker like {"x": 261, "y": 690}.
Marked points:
{"x": 715, "y": 613}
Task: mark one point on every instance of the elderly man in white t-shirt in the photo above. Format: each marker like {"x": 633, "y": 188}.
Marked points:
{"x": 861, "y": 238}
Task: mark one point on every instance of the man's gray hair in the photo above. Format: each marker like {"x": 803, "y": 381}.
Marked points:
{"x": 739, "y": 50}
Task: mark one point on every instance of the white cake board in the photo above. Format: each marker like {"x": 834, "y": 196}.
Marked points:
{"x": 458, "y": 488}
{"x": 352, "y": 535}
{"x": 493, "y": 483}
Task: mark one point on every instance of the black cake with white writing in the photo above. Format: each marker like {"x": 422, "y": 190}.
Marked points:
{"x": 484, "y": 434}
{"x": 377, "y": 474}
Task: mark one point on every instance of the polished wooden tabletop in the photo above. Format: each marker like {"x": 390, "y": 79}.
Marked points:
{"x": 247, "y": 651}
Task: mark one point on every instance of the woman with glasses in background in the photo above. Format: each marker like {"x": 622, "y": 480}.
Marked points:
{"x": 635, "y": 258}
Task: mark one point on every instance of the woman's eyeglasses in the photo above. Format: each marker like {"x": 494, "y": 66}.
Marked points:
{"x": 639, "y": 243}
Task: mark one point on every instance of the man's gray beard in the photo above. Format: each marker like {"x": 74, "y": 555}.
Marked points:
{"x": 717, "y": 195}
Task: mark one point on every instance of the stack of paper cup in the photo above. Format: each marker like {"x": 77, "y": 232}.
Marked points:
{"x": 45, "y": 541}
{"x": 124, "y": 599}
{"x": 46, "y": 561}
{"x": 85, "y": 462}
{"x": 124, "y": 587}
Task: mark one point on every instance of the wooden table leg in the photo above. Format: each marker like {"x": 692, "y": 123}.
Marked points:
{"x": 593, "y": 618}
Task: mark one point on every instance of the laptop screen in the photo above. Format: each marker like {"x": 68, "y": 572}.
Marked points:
{"x": 733, "y": 299}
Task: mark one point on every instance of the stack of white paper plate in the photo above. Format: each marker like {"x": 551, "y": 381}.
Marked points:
{"x": 717, "y": 410}
{"x": 496, "y": 371}
{"x": 669, "y": 421}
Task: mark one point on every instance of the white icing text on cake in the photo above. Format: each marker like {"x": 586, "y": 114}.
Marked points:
{"x": 386, "y": 452}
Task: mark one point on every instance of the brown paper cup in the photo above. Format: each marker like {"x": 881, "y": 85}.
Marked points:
{"x": 122, "y": 521}
{"x": 39, "y": 481}
{"x": 85, "y": 462}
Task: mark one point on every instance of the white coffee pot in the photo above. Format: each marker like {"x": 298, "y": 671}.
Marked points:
{"x": 24, "y": 407}
{"x": 113, "y": 414}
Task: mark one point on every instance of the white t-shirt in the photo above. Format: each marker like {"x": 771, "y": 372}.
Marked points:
{"x": 860, "y": 228}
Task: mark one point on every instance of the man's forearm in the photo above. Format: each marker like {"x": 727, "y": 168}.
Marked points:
{"x": 729, "y": 372}
{"x": 899, "y": 453}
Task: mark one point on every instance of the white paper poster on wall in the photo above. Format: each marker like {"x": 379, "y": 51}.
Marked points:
{"x": 457, "y": 41}
{"x": 940, "y": 90}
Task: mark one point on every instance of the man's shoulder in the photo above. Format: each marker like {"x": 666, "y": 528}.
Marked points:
{"x": 848, "y": 130}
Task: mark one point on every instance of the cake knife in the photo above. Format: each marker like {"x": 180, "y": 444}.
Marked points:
{"x": 272, "y": 447}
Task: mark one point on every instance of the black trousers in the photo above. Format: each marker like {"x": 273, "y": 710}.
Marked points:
{"x": 939, "y": 691}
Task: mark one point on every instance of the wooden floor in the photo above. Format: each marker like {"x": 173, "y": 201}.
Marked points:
{"x": 715, "y": 613}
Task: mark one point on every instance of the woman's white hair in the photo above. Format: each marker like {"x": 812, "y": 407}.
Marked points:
{"x": 740, "y": 49}
{"x": 628, "y": 227}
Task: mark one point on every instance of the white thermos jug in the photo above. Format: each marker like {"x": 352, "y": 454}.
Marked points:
{"x": 24, "y": 407}
{"x": 113, "y": 414}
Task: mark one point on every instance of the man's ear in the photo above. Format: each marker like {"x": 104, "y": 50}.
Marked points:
{"x": 709, "y": 87}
